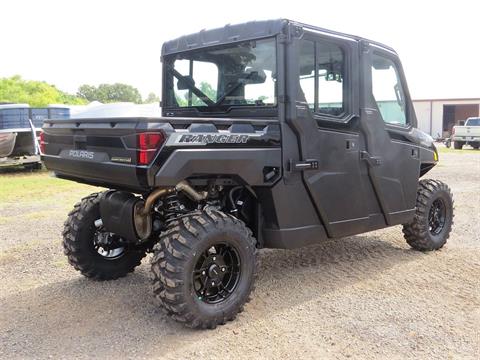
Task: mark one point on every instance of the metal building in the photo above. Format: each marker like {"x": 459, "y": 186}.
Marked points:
{"x": 437, "y": 116}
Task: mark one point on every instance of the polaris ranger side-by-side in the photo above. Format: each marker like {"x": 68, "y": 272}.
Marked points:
{"x": 273, "y": 134}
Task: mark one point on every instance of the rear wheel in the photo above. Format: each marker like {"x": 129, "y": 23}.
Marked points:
{"x": 433, "y": 219}
{"x": 475, "y": 145}
{"x": 458, "y": 144}
{"x": 203, "y": 268}
{"x": 97, "y": 254}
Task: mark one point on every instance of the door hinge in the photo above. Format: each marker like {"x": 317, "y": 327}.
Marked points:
{"x": 309, "y": 164}
{"x": 371, "y": 160}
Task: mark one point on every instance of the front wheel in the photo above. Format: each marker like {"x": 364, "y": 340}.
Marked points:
{"x": 433, "y": 219}
{"x": 458, "y": 145}
{"x": 97, "y": 254}
{"x": 203, "y": 268}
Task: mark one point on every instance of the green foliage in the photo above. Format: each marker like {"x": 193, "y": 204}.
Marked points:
{"x": 34, "y": 93}
{"x": 108, "y": 93}
{"x": 206, "y": 88}
{"x": 182, "y": 102}
{"x": 151, "y": 98}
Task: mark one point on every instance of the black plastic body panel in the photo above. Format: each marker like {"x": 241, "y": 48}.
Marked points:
{"x": 246, "y": 164}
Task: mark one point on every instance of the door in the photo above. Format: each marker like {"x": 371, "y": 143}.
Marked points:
{"x": 387, "y": 117}
{"x": 330, "y": 138}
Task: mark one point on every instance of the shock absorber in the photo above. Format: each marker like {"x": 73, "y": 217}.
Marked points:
{"x": 172, "y": 206}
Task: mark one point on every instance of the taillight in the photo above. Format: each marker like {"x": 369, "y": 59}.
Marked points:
{"x": 147, "y": 146}
{"x": 42, "y": 142}
{"x": 453, "y": 130}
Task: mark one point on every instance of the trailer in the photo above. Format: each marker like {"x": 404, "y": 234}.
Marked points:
{"x": 20, "y": 126}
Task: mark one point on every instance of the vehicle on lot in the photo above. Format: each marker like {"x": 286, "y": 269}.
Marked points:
{"x": 19, "y": 126}
{"x": 275, "y": 134}
{"x": 468, "y": 134}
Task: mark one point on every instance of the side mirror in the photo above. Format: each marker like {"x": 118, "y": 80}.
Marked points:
{"x": 254, "y": 77}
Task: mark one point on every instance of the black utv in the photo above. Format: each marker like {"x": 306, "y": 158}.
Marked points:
{"x": 274, "y": 134}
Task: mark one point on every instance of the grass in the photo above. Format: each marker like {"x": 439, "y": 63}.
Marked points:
{"x": 38, "y": 187}
{"x": 443, "y": 149}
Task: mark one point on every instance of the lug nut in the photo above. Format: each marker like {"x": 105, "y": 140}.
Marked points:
{"x": 223, "y": 269}
{"x": 213, "y": 283}
{"x": 203, "y": 272}
{"x": 214, "y": 258}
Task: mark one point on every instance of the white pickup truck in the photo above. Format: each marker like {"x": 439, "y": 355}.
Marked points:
{"x": 467, "y": 134}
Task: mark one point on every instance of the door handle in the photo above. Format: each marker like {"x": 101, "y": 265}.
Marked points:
{"x": 371, "y": 160}
{"x": 309, "y": 164}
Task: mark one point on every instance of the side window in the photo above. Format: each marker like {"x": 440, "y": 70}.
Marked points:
{"x": 330, "y": 65}
{"x": 387, "y": 90}
{"x": 321, "y": 69}
{"x": 307, "y": 71}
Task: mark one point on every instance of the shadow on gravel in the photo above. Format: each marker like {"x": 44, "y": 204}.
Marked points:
{"x": 11, "y": 170}
{"x": 82, "y": 317}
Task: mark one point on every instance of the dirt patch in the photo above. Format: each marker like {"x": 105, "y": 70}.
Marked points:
{"x": 366, "y": 296}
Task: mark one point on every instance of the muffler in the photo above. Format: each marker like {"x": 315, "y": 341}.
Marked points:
{"x": 130, "y": 217}
{"x": 117, "y": 210}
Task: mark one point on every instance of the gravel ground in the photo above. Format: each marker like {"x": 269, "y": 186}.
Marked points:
{"x": 366, "y": 296}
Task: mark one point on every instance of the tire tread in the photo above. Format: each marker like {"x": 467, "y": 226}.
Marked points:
{"x": 170, "y": 254}
{"x": 416, "y": 233}
{"x": 77, "y": 257}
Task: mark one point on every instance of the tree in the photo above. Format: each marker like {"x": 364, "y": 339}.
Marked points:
{"x": 108, "y": 93}
{"x": 208, "y": 90}
{"x": 151, "y": 98}
{"x": 87, "y": 92}
{"x": 34, "y": 93}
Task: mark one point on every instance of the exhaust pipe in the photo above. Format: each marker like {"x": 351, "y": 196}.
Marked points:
{"x": 142, "y": 211}
{"x": 130, "y": 217}
{"x": 182, "y": 186}
{"x": 191, "y": 192}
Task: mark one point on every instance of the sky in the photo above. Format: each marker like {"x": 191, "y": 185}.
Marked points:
{"x": 70, "y": 43}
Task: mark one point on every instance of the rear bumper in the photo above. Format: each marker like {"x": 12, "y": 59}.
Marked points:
{"x": 105, "y": 174}
{"x": 466, "y": 138}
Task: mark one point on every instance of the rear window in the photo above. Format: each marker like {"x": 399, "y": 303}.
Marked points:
{"x": 473, "y": 122}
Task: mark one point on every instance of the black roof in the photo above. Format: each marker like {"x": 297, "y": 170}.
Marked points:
{"x": 244, "y": 32}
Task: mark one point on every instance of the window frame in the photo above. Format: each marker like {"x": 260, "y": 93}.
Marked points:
{"x": 401, "y": 79}
{"x": 347, "y": 90}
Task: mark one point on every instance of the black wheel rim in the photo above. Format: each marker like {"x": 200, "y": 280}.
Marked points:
{"x": 108, "y": 245}
{"x": 216, "y": 273}
{"x": 437, "y": 217}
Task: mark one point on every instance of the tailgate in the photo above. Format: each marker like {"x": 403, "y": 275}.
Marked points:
{"x": 460, "y": 131}
{"x": 98, "y": 151}
{"x": 468, "y": 132}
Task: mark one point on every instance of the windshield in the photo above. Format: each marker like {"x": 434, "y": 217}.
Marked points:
{"x": 215, "y": 79}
